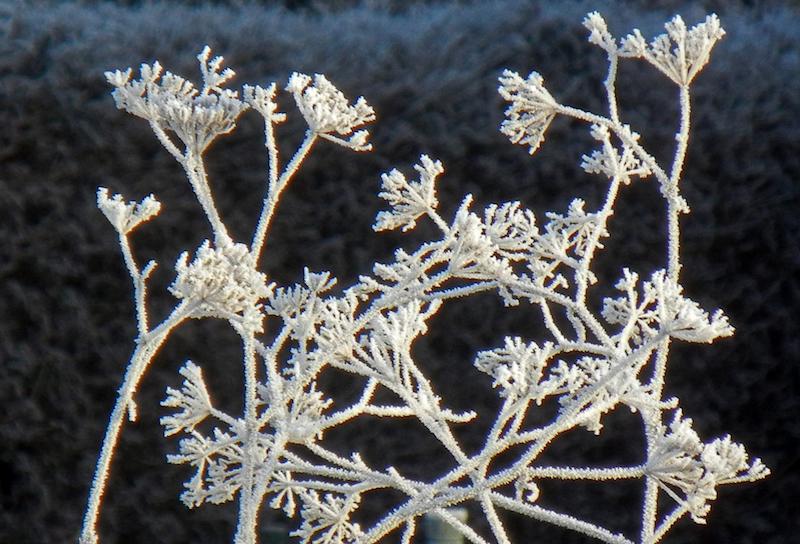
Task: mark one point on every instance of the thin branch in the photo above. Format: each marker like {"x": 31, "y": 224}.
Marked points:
{"x": 598, "y": 474}
{"x": 561, "y": 520}
{"x": 274, "y": 191}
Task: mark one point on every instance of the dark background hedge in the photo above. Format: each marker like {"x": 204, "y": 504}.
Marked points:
{"x": 430, "y": 70}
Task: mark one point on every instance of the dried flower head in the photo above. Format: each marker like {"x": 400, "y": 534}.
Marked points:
{"x": 681, "y": 463}
{"x": 327, "y": 111}
{"x": 531, "y": 111}
{"x": 409, "y": 200}
{"x": 222, "y": 282}
{"x": 126, "y": 216}
{"x": 172, "y": 103}
{"x": 680, "y": 53}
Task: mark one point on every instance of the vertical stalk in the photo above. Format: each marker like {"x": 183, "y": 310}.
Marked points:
{"x": 610, "y": 85}
{"x": 673, "y": 203}
{"x": 603, "y": 215}
{"x": 139, "y": 283}
{"x": 650, "y": 510}
{"x": 674, "y": 208}
{"x": 248, "y": 506}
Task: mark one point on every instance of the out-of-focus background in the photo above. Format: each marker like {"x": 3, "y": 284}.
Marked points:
{"x": 430, "y": 71}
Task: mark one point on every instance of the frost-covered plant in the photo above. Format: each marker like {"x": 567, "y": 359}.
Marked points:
{"x": 592, "y": 362}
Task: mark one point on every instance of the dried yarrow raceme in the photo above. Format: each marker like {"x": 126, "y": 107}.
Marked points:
{"x": 591, "y": 361}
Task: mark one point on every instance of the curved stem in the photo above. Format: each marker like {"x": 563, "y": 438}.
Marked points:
{"x": 139, "y": 283}
{"x": 147, "y": 346}
{"x": 598, "y": 474}
{"x": 166, "y": 142}
{"x": 603, "y": 215}
{"x": 624, "y": 136}
{"x": 498, "y": 530}
{"x": 674, "y": 202}
{"x": 649, "y": 510}
{"x": 668, "y": 522}
{"x": 674, "y": 208}
{"x": 610, "y": 85}
{"x": 561, "y": 520}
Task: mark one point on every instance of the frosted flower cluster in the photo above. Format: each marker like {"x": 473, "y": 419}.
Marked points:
{"x": 222, "y": 282}
{"x": 170, "y": 102}
{"x": 126, "y": 216}
{"x": 327, "y": 111}
{"x": 682, "y": 464}
{"x": 518, "y": 369}
{"x": 660, "y": 308}
{"x": 409, "y": 200}
{"x": 192, "y": 398}
{"x": 611, "y": 161}
{"x": 593, "y": 359}
{"x": 680, "y": 53}
{"x": 531, "y": 111}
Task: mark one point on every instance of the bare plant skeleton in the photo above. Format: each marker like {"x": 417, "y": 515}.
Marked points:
{"x": 274, "y": 452}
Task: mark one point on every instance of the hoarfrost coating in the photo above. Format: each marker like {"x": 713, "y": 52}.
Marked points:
{"x": 274, "y": 452}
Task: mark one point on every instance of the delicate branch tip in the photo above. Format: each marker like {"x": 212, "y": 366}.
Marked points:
{"x": 599, "y": 34}
{"x": 327, "y": 112}
{"x": 531, "y": 111}
{"x": 263, "y": 101}
{"x": 408, "y": 199}
{"x": 126, "y": 216}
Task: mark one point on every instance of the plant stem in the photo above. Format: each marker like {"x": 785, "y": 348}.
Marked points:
{"x": 147, "y": 346}
{"x": 274, "y": 191}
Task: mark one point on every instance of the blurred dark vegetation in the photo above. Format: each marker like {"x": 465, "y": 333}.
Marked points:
{"x": 429, "y": 69}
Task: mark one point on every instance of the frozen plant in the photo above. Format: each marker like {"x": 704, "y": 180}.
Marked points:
{"x": 592, "y": 362}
